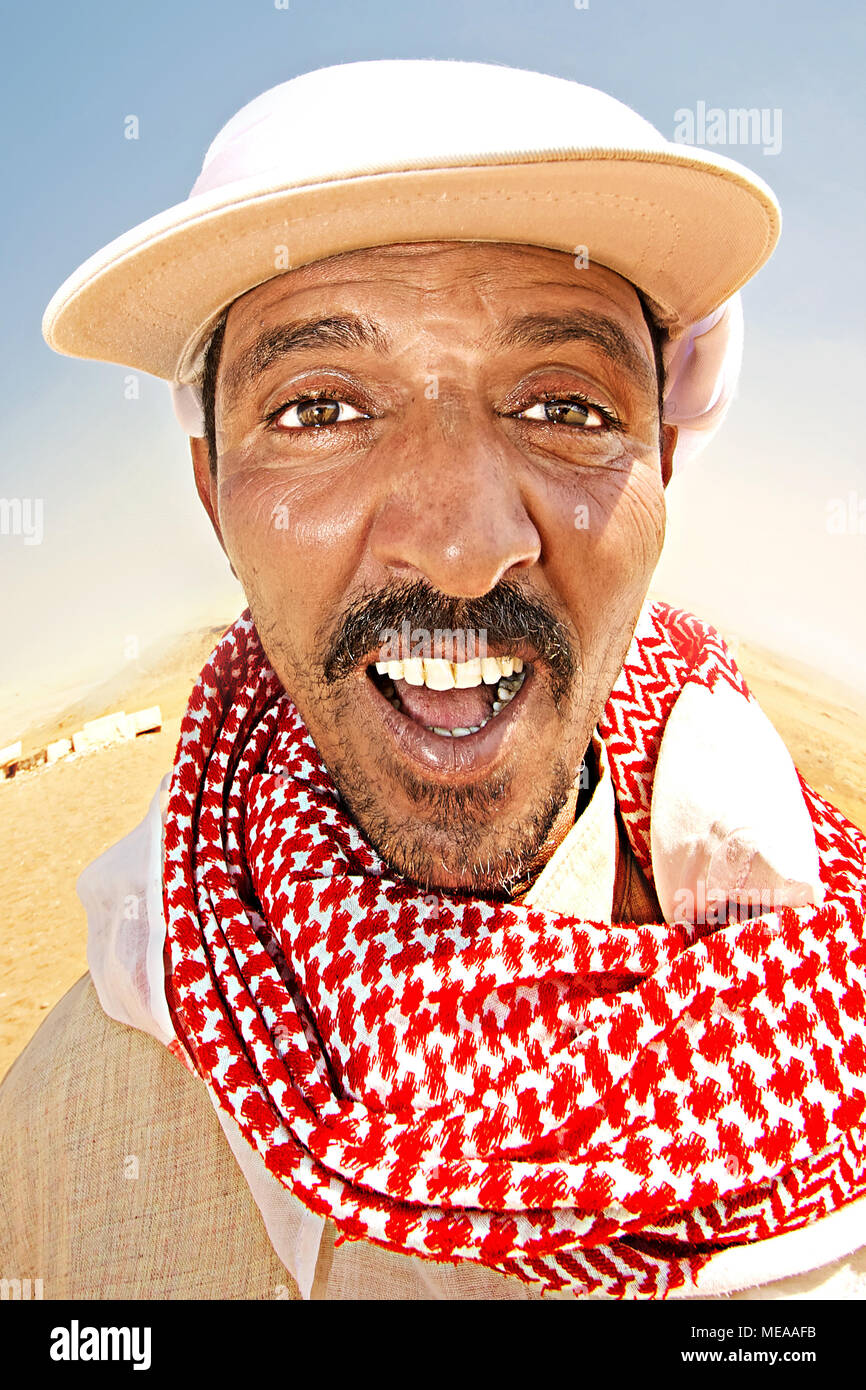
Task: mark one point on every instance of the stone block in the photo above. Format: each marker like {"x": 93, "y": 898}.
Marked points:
{"x": 111, "y": 728}
{"x": 58, "y": 749}
{"x": 145, "y": 721}
{"x": 10, "y": 754}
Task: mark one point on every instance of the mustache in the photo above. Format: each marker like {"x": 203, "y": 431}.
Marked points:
{"x": 506, "y": 614}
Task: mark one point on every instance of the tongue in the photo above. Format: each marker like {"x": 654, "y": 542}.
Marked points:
{"x": 447, "y": 709}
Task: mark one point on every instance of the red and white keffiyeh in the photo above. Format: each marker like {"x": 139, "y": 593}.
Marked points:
{"x": 597, "y": 1108}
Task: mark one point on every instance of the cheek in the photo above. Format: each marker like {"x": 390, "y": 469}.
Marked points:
{"x": 293, "y": 538}
{"x": 610, "y": 536}
{"x": 625, "y": 527}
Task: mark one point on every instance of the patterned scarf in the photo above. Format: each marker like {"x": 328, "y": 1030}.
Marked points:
{"x": 598, "y": 1108}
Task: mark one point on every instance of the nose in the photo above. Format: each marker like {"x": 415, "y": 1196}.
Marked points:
{"x": 453, "y": 513}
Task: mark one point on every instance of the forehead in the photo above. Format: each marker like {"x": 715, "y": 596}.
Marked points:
{"x": 468, "y": 286}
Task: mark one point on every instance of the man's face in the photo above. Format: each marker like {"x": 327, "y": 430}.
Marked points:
{"x": 461, "y": 437}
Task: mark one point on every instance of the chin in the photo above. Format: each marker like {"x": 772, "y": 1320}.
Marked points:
{"x": 485, "y": 839}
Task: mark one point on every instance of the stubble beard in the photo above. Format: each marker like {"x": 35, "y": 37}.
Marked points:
{"x": 459, "y": 838}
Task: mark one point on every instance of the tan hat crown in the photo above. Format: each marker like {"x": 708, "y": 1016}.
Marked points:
{"x": 376, "y": 153}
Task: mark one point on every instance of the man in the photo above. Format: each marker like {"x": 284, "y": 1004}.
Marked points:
{"x": 483, "y": 904}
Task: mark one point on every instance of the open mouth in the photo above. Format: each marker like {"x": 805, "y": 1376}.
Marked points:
{"x": 450, "y": 699}
{"x": 455, "y": 720}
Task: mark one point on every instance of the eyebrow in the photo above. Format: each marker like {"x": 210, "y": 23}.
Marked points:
{"x": 337, "y": 330}
{"x": 351, "y": 330}
{"x": 549, "y": 330}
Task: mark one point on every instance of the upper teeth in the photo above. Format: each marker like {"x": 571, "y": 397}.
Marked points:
{"x": 446, "y": 675}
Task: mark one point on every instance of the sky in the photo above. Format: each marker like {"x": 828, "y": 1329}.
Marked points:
{"x": 767, "y": 530}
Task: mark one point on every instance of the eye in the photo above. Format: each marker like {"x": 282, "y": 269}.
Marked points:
{"x": 313, "y": 412}
{"x": 566, "y": 410}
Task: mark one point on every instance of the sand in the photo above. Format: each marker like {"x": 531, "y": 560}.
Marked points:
{"x": 55, "y": 820}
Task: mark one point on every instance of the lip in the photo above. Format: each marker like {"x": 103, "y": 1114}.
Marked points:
{"x": 460, "y": 758}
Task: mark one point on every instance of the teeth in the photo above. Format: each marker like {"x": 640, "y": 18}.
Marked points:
{"x": 506, "y": 691}
{"x": 413, "y": 671}
{"x": 438, "y": 675}
{"x": 505, "y": 672}
{"x": 467, "y": 673}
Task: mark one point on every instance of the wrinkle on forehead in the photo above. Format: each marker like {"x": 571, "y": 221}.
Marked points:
{"x": 481, "y": 266}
